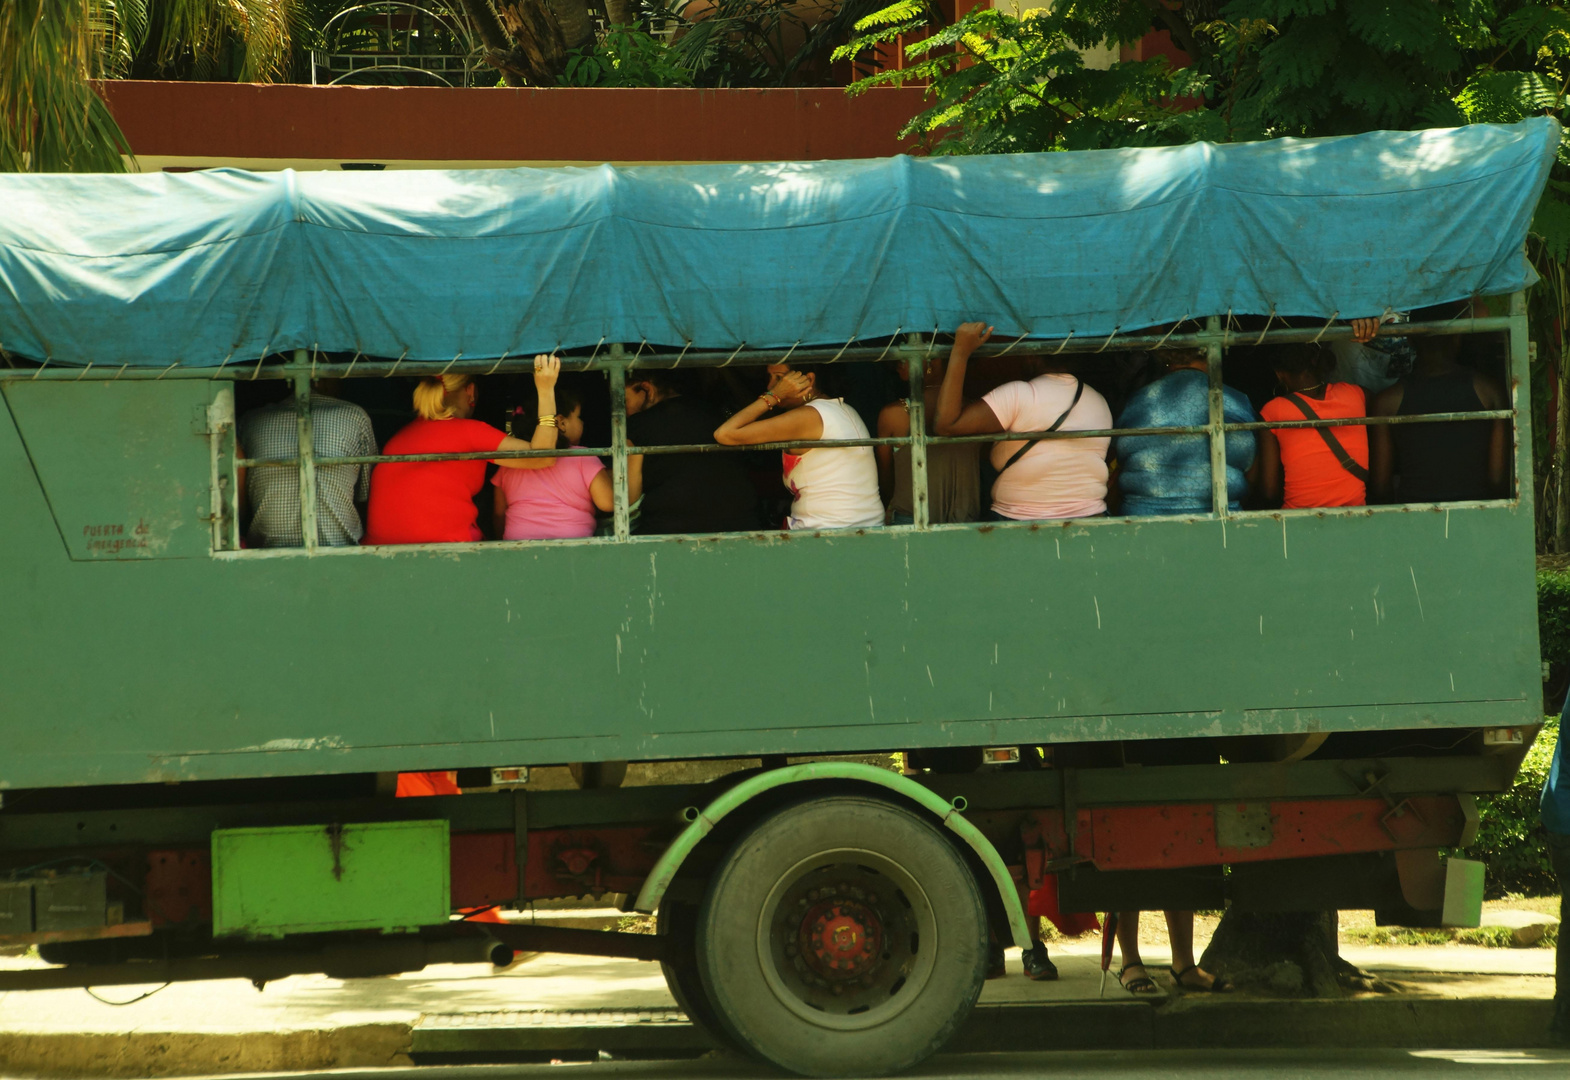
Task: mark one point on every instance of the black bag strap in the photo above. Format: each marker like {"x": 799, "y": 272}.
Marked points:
{"x": 1079, "y": 388}
{"x": 1330, "y": 439}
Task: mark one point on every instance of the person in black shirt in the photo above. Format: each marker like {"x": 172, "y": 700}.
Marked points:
{"x": 1427, "y": 463}
{"x": 685, "y": 493}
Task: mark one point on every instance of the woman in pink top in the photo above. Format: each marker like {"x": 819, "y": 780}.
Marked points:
{"x": 558, "y": 503}
{"x": 1051, "y": 478}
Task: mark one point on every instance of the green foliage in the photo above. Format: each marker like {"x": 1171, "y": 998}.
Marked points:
{"x": 1509, "y": 840}
{"x": 1257, "y": 69}
{"x": 625, "y": 56}
{"x": 1553, "y": 614}
{"x": 729, "y": 43}
{"x": 1006, "y": 83}
{"x": 50, "y": 118}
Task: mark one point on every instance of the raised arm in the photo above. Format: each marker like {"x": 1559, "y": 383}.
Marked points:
{"x": 954, "y": 417}
{"x": 1381, "y": 446}
{"x": 1493, "y": 396}
{"x": 546, "y": 370}
{"x": 602, "y": 489}
{"x": 749, "y": 427}
{"x": 1269, "y": 461}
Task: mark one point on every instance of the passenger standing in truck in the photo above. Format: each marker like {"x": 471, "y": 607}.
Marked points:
{"x": 953, "y": 469}
{"x": 832, "y": 487}
{"x": 1312, "y": 467}
{"x": 1446, "y": 462}
{"x": 1170, "y": 474}
{"x": 558, "y": 503}
{"x": 338, "y": 429}
{"x": 1046, "y": 479}
{"x": 684, "y": 493}
{"x": 432, "y": 502}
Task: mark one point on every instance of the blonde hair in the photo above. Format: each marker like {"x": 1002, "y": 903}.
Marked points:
{"x": 433, "y": 398}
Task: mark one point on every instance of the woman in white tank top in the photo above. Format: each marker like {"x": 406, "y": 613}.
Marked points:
{"x": 833, "y": 487}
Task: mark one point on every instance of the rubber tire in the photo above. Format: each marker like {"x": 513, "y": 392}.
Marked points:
{"x": 679, "y": 921}
{"x": 727, "y": 938}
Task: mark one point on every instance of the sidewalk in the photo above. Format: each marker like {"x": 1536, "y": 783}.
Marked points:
{"x": 548, "y": 1005}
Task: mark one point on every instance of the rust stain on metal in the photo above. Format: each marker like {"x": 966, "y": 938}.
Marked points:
{"x": 335, "y": 840}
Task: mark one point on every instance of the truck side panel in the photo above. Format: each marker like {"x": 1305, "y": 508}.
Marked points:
{"x": 250, "y": 664}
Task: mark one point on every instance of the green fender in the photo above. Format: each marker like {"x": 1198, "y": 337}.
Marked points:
{"x": 664, "y": 871}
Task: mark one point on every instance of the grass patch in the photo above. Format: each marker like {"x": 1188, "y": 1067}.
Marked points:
{"x": 634, "y": 923}
{"x": 1491, "y": 937}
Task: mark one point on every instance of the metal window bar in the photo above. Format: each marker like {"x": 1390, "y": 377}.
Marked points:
{"x": 307, "y": 452}
{"x": 1521, "y": 403}
{"x": 921, "y": 510}
{"x": 1216, "y": 404}
{"x": 748, "y": 357}
{"x": 916, "y": 351}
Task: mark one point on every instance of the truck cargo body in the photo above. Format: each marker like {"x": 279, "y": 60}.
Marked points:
{"x": 1271, "y": 709}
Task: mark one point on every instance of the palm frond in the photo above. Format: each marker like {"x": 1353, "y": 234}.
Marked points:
{"x": 51, "y": 120}
{"x": 199, "y": 31}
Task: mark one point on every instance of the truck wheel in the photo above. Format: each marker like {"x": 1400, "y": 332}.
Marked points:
{"x": 678, "y": 921}
{"x": 843, "y": 936}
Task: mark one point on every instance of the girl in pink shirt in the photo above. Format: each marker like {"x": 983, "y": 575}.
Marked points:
{"x": 558, "y": 503}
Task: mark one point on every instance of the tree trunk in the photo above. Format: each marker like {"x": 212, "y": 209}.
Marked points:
{"x": 520, "y": 62}
{"x": 539, "y": 51}
{"x": 577, "y": 25}
{"x": 1290, "y": 953}
{"x": 620, "y": 12}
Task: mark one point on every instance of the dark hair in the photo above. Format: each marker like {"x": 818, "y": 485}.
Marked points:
{"x": 1039, "y": 363}
{"x": 827, "y": 377}
{"x": 526, "y": 414}
{"x": 1303, "y": 356}
{"x": 662, "y": 379}
{"x": 1455, "y": 309}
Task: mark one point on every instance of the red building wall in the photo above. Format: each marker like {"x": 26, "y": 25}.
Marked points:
{"x": 170, "y": 124}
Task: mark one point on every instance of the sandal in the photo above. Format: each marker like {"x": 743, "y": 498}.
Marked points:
{"x": 1217, "y": 985}
{"x": 1139, "y": 986}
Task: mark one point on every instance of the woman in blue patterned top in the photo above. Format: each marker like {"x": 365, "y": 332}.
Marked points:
{"x": 1170, "y": 474}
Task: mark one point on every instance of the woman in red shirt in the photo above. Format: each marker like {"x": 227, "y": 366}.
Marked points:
{"x": 432, "y": 502}
{"x": 1307, "y": 467}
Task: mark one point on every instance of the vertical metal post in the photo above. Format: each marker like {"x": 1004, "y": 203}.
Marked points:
{"x": 220, "y": 424}
{"x": 1218, "y": 437}
{"x": 618, "y": 372}
{"x": 307, "y": 451}
{"x": 919, "y": 494}
{"x": 232, "y": 442}
{"x": 1521, "y": 402}
{"x": 520, "y": 842}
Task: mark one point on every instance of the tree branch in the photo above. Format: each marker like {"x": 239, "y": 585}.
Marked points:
{"x": 1176, "y": 26}
{"x": 495, "y": 39}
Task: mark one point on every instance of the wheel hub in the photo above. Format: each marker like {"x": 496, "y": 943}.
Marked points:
{"x": 842, "y": 939}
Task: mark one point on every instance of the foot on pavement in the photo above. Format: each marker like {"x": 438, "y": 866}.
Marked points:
{"x": 1038, "y": 966}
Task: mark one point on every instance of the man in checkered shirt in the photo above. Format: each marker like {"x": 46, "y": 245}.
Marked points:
{"x": 338, "y": 429}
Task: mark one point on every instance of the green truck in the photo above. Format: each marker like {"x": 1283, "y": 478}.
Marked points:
{"x": 199, "y": 741}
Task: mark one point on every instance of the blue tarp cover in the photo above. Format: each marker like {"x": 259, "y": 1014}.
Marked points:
{"x": 223, "y": 266}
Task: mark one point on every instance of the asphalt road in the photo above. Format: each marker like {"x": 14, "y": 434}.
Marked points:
{"x": 1085, "y": 1065}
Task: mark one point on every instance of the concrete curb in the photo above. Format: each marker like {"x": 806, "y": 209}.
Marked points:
{"x": 1187, "y": 1023}
{"x": 149, "y": 1054}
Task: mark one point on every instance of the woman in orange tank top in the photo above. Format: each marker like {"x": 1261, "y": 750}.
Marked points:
{"x": 1308, "y": 467}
